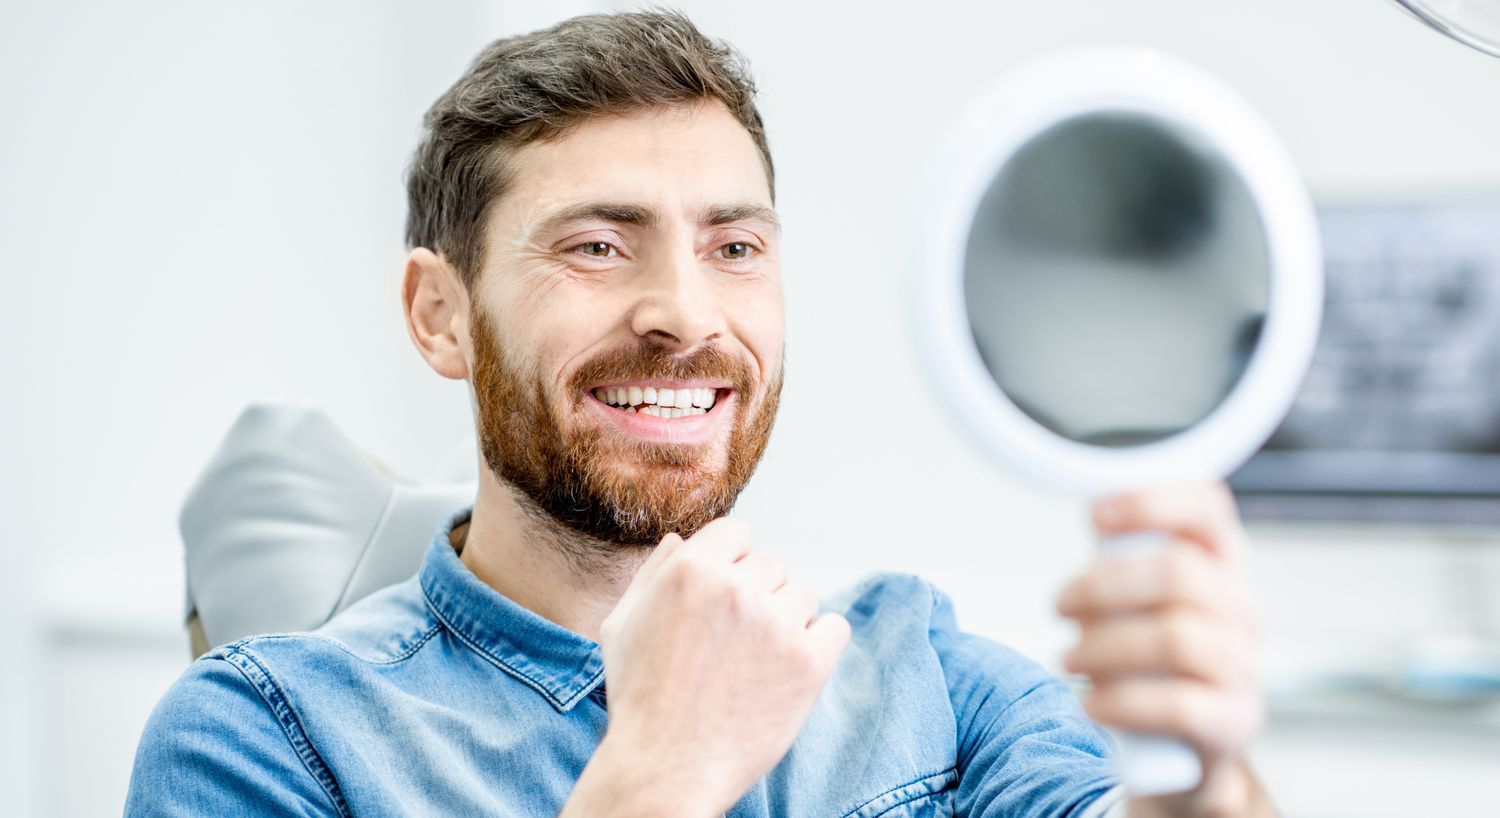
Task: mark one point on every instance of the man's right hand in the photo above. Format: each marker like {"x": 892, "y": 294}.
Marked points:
{"x": 713, "y": 661}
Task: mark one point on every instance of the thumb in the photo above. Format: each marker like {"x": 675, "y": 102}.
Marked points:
{"x": 830, "y": 636}
{"x": 647, "y": 569}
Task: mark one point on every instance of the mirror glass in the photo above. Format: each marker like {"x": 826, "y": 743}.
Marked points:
{"x": 1116, "y": 278}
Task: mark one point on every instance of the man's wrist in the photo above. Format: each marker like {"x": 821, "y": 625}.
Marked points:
{"x": 1230, "y": 790}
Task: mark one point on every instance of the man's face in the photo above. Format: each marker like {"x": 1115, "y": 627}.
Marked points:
{"x": 627, "y": 327}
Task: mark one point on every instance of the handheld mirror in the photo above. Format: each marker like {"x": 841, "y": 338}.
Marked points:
{"x": 1119, "y": 285}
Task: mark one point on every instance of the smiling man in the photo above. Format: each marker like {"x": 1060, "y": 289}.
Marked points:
{"x": 595, "y": 250}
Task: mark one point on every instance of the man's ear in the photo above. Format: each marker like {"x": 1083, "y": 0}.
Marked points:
{"x": 437, "y": 312}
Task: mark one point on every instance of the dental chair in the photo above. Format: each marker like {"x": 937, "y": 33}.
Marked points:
{"x": 291, "y": 523}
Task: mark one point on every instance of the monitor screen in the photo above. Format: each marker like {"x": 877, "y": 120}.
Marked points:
{"x": 1399, "y": 417}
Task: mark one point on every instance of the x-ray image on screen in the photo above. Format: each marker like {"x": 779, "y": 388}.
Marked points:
{"x": 1402, "y": 402}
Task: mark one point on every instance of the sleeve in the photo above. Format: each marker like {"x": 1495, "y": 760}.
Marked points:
{"x": 1025, "y": 746}
{"x": 213, "y": 746}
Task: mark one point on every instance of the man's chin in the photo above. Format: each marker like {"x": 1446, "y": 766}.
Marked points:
{"x": 665, "y": 478}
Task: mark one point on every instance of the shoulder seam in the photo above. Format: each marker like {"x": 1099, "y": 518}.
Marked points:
{"x": 427, "y": 634}
{"x": 291, "y": 723}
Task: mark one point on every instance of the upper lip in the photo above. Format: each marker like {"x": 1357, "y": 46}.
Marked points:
{"x": 661, "y": 383}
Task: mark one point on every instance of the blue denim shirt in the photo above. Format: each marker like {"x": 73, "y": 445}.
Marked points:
{"x": 439, "y": 696}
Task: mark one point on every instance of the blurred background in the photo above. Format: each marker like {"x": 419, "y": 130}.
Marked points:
{"x": 203, "y": 206}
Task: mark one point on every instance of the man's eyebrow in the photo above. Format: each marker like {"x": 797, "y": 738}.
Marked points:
{"x": 715, "y": 216}
{"x": 600, "y": 211}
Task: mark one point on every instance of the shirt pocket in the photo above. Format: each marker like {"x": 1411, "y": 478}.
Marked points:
{"x": 929, "y": 796}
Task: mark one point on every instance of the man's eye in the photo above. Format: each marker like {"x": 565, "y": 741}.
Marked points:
{"x": 736, "y": 251}
{"x": 597, "y": 249}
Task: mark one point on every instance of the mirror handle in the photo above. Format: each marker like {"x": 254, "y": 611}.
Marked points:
{"x": 1151, "y": 765}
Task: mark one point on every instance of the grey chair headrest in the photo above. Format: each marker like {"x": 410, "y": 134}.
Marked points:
{"x": 290, "y": 523}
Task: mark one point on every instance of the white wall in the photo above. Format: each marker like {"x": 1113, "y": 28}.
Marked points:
{"x": 202, "y": 206}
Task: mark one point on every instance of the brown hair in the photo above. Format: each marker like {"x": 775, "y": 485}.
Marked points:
{"x": 534, "y": 87}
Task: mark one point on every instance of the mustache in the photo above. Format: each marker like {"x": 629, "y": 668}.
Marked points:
{"x": 646, "y": 361}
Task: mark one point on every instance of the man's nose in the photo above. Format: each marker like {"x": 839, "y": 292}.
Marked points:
{"x": 678, "y": 307}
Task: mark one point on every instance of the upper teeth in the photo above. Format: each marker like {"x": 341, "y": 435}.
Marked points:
{"x": 653, "y": 400}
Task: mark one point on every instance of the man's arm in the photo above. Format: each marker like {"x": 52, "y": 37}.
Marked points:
{"x": 1026, "y": 749}
{"x": 213, "y": 747}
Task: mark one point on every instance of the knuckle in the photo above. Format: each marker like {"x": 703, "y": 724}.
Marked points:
{"x": 683, "y": 573}
{"x": 844, "y": 629}
{"x": 1180, "y": 571}
{"x": 1085, "y": 589}
{"x": 802, "y": 593}
{"x": 693, "y": 573}
{"x": 743, "y": 601}
{"x": 1245, "y": 663}
{"x": 1133, "y": 507}
{"x": 800, "y": 657}
{"x": 1185, "y": 715}
{"x": 1179, "y": 641}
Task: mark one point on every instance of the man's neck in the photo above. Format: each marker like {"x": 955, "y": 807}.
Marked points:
{"x": 541, "y": 566}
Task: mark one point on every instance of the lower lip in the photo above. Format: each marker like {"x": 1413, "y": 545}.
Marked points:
{"x": 687, "y": 429}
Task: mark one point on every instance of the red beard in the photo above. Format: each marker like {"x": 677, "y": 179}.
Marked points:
{"x": 574, "y": 477}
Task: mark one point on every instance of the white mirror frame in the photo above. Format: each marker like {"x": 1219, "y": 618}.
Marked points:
{"x": 1469, "y": 23}
{"x": 1039, "y": 96}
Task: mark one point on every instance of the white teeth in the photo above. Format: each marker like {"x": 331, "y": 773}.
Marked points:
{"x": 630, "y": 409}
{"x": 651, "y": 409}
{"x": 688, "y": 401}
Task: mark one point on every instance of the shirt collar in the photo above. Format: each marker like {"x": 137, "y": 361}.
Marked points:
{"x": 555, "y": 662}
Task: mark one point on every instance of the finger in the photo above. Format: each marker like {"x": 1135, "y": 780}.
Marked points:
{"x": 797, "y": 603}
{"x": 1216, "y": 720}
{"x": 1181, "y": 644}
{"x": 661, "y": 553}
{"x": 648, "y": 568}
{"x": 1204, "y": 513}
{"x": 1182, "y": 575}
{"x": 829, "y": 634}
{"x": 762, "y": 570}
{"x": 722, "y": 540}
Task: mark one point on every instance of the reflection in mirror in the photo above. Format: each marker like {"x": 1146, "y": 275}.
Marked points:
{"x": 1116, "y": 279}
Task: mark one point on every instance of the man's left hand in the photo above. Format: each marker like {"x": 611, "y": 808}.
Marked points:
{"x": 1170, "y": 640}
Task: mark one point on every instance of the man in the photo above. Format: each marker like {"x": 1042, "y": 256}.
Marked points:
{"x": 595, "y": 250}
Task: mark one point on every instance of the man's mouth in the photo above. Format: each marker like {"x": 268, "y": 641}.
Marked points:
{"x": 658, "y": 400}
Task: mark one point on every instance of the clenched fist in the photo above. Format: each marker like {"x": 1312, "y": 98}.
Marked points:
{"x": 713, "y": 660}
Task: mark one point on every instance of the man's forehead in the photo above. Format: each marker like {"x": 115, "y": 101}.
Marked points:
{"x": 687, "y": 160}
